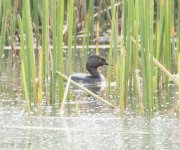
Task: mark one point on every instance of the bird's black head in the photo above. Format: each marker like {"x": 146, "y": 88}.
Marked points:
{"x": 93, "y": 63}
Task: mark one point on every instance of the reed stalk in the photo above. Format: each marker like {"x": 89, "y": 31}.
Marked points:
{"x": 88, "y": 23}
{"x": 54, "y": 51}
{"x": 128, "y": 45}
{"x": 35, "y": 17}
{"x": 123, "y": 56}
{"x": 70, "y": 35}
{"x": 178, "y": 30}
{"x": 12, "y": 23}
{"x": 142, "y": 38}
{"x": 179, "y": 81}
{"x": 167, "y": 36}
{"x": 178, "y": 45}
{"x": 150, "y": 5}
{"x": 40, "y": 79}
{"x": 1, "y": 11}
{"x": 135, "y": 49}
{"x": 60, "y": 63}
{"x": 3, "y": 26}
{"x": 159, "y": 37}
{"x": 98, "y": 26}
{"x": 122, "y": 79}
{"x": 116, "y": 51}
{"x": 112, "y": 43}
{"x": 30, "y": 49}
{"x": 97, "y": 36}
{"x": 45, "y": 46}
{"x": 24, "y": 64}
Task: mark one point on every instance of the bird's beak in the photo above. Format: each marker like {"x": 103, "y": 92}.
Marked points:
{"x": 106, "y": 64}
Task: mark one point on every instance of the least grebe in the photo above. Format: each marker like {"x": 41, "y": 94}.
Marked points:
{"x": 94, "y": 77}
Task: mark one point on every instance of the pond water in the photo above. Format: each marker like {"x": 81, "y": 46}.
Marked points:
{"x": 87, "y": 124}
{"x": 100, "y": 131}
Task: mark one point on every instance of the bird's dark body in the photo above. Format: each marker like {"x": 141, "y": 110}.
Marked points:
{"x": 87, "y": 78}
{"x": 94, "y": 77}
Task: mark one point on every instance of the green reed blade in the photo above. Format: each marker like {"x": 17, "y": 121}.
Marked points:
{"x": 14, "y": 12}
{"x": 70, "y": 30}
{"x": 122, "y": 56}
{"x": 124, "y": 18}
{"x": 45, "y": 35}
{"x": 3, "y": 26}
{"x": 24, "y": 66}
{"x": 178, "y": 25}
{"x": 143, "y": 56}
{"x": 113, "y": 26}
{"x": 122, "y": 78}
{"x": 88, "y": 23}
{"x": 136, "y": 47}
{"x": 11, "y": 31}
{"x": 74, "y": 32}
{"x": 1, "y": 11}
{"x": 30, "y": 47}
{"x": 128, "y": 65}
{"x": 35, "y": 17}
{"x": 179, "y": 80}
{"x": 150, "y": 5}
{"x": 54, "y": 51}
{"x": 159, "y": 37}
{"x": 45, "y": 43}
{"x": 60, "y": 64}
{"x": 167, "y": 38}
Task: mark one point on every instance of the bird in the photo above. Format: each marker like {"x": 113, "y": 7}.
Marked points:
{"x": 94, "y": 78}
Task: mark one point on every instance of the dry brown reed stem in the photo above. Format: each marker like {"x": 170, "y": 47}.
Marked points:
{"x": 164, "y": 70}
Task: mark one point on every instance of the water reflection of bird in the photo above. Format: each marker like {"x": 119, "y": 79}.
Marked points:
{"x": 94, "y": 77}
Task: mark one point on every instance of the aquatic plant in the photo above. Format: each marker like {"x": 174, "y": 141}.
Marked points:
{"x": 144, "y": 43}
